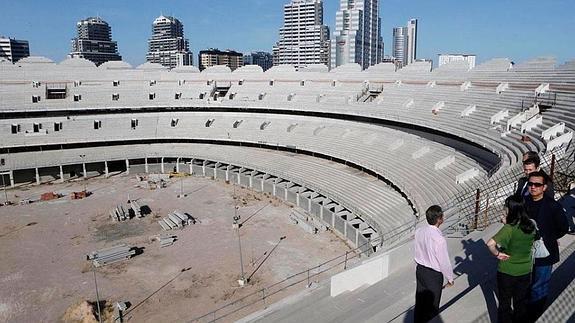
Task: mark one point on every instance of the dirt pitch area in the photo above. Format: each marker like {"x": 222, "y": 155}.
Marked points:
{"x": 43, "y": 248}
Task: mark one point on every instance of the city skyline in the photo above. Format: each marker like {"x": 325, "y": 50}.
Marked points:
{"x": 518, "y": 31}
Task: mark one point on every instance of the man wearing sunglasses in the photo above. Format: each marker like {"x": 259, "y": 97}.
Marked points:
{"x": 531, "y": 163}
{"x": 552, "y": 224}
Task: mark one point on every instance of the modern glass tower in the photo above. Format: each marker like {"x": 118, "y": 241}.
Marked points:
{"x": 168, "y": 45}
{"x": 357, "y": 37}
{"x": 304, "y": 39}
{"x": 405, "y": 43}
{"x": 94, "y": 41}
{"x": 400, "y": 45}
{"x": 411, "y": 41}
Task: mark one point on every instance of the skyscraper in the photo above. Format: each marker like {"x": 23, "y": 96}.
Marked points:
{"x": 400, "y": 45}
{"x": 94, "y": 41}
{"x": 304, "y": 39}
{"x": 13, "y": 50}
{"x": 357, "y": 37}
{"x": 405, "y": 43}
{"x": 168, "y": 45}
{"x": 411, "y": 41}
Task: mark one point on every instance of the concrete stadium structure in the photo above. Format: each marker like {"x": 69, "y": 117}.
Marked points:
{"x": 366, "y": 152}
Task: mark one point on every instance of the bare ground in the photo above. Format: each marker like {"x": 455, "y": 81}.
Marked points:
{"x": 43, "y": 247}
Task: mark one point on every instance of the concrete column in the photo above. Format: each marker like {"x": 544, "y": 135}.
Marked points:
{"x": 162, "y": 164}
{"x": 106, "y": 169}
{"x": 216, "y": 170}
{"x": 191, "y": 170}
{"x": 127, "y": 166}
{"x": 204, "y": 168}
{"x": 12, "y": 184}
{"x": 61, "y": 174}
{"x": 297, "y": 199}
{"x": 146, "y": 164}
{"x": 84, "y": 170}
{"x": 37, "y": 176}
{"x": 228, "y": 172}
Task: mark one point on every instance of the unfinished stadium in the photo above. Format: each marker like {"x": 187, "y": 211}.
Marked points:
{"x": 360, "y": 153}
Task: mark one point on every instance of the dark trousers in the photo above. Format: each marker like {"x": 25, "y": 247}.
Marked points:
{"x": 427, "y": 294}
{"x": 512, "y": 290}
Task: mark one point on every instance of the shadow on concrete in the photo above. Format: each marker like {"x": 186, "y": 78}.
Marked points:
{"x": 409, "y": 315}
{"x": 562, "y": 276}
{"x": 479, "y": 266}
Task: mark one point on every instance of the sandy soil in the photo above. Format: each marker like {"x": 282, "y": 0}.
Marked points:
{"x": 43, "y": 247}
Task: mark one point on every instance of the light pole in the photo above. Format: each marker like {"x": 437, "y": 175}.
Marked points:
{"x": 4, "y": 188}
{"x": 97, "y": 294}
{"x": 84, "y": 172}
{"x": 236, "y": 225}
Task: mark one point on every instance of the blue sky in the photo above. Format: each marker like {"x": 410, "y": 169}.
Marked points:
{"x": 518, "y": 29}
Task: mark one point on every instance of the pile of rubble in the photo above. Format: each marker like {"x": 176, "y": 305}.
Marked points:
{"x": 110, "y": 255}
{"x": 176, "y": 220}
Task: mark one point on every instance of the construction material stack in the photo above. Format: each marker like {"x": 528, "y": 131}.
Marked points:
{"x": 111, "y": 255}
{"x": 136, "y": 208}
{"x": 119, "y": 214}
{"x": 176, "y": 220}
{"x": 167, "y": 241}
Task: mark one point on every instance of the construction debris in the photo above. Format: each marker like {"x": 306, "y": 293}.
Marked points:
{"x": 110, "y": 255}
{"x": 49, "y": 196}
{"x": 79, "y": 195}
{"x": 176, "y": 220}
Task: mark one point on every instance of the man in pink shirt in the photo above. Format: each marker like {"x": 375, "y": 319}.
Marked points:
{"x": 432, "y": 265}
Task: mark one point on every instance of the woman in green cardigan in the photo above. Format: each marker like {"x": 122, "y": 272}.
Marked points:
{"x": 512, "y": 245}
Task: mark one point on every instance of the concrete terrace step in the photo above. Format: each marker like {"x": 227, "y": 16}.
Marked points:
{"x": 389, "y": 300}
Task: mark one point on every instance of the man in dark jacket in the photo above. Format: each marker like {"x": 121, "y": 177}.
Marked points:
{"x": 552, "y": 225}
{"x": 531, "y": 163}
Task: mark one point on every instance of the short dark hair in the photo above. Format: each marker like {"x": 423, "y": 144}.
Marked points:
{"x": 530, "y": 154}
{"x": 533, "y": 160}
{"x": 541, "y": 174}
{"x": 433, "y": 214}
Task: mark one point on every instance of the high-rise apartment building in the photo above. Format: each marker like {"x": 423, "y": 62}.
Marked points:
{"x": 411, "y": 41}
{"x": 357, "y": 37}
{"x": 168, "y": 45}
{"x": 400, "y": 45}
{"x": 212, "y": 57}
{"x": 262, "y": 59}
{"x": 13, "y": 50}
{"x": 304, "y": 39}
{"x": 405, "y": 43}
{"x": 94, "y": 41}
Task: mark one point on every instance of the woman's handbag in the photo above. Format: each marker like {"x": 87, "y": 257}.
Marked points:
{"x": 539, "y": 249}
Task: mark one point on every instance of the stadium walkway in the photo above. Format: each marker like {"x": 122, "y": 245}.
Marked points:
{"x": 472, "y": 299}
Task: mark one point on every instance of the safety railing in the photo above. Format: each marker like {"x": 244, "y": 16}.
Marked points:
{"x": 479, "y": 207}
{"x": 262, "y": 297}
